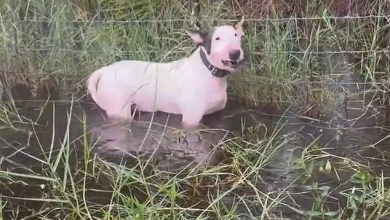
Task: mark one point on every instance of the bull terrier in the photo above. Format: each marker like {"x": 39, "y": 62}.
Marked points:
{"x": 193, "y": 86}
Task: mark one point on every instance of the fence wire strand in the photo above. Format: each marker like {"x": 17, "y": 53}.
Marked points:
{"x": 189, "y": 20}
{"x": 182, "y": 50}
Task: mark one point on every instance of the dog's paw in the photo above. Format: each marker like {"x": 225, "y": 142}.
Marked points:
{"x": 190, "y": 139}
{"x": 183, "y": 141}
{"x": 193, "y": 138}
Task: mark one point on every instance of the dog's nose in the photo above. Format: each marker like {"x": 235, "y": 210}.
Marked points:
{"x": 234, "y": 55}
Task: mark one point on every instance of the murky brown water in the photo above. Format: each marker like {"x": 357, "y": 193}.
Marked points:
{"x": 342, "y": 129}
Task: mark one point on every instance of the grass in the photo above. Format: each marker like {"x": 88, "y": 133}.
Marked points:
{"x": 97, "y": 189}
{"x": 44, "y": 178}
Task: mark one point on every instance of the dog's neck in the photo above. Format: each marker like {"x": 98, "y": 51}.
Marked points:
{"x": 217, "y": 72}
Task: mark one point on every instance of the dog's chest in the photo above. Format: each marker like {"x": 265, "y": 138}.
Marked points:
{"x": 216, "y": 97}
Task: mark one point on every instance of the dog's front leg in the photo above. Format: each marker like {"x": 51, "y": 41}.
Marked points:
{"x": 192, "y": 109}
{"x": 190, "y": 123}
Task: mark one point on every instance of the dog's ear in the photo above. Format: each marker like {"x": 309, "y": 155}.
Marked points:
{"x": 239, "y": 26}
{"x": 197, "y": 36}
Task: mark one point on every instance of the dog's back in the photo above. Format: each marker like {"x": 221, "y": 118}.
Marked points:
{"x": 150, "y": 86}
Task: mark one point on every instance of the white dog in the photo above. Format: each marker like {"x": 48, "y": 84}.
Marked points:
{"x": 193, "y": 86}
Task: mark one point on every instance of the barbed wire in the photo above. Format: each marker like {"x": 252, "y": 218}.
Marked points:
{"x": 206, "y": 18}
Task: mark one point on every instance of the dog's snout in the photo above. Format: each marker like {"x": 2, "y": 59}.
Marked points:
{"x": 234, "y": 55}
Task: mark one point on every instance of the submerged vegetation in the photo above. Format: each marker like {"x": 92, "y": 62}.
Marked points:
{"x": 272, "y": 167}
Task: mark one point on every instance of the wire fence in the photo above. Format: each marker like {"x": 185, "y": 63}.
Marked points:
{"x": 319, "y": 18}
{"x": 283, "y": 51}
{"x": 82, "y": 30}
{"x": 382, "y": 51}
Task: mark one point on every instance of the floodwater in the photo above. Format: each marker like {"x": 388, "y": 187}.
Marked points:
{"x": 342, "y": 128}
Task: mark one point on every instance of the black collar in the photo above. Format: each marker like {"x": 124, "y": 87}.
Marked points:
{"x": 220, "y": 73}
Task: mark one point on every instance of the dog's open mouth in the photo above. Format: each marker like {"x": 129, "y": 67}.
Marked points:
{"x": 229, "y": 63}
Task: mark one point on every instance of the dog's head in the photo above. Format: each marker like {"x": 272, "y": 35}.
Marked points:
{"x": 222, "y": 45}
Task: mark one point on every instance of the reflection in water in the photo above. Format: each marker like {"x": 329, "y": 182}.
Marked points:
{"x": 160, "y": 141}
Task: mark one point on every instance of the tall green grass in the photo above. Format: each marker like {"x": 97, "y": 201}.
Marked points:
{"x": 68, "y": 40}
{"x": 72, "y": 39}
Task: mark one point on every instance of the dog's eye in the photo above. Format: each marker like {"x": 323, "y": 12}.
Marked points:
{"x": 217, "y": 38}
{"x": 235, "y": 34}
